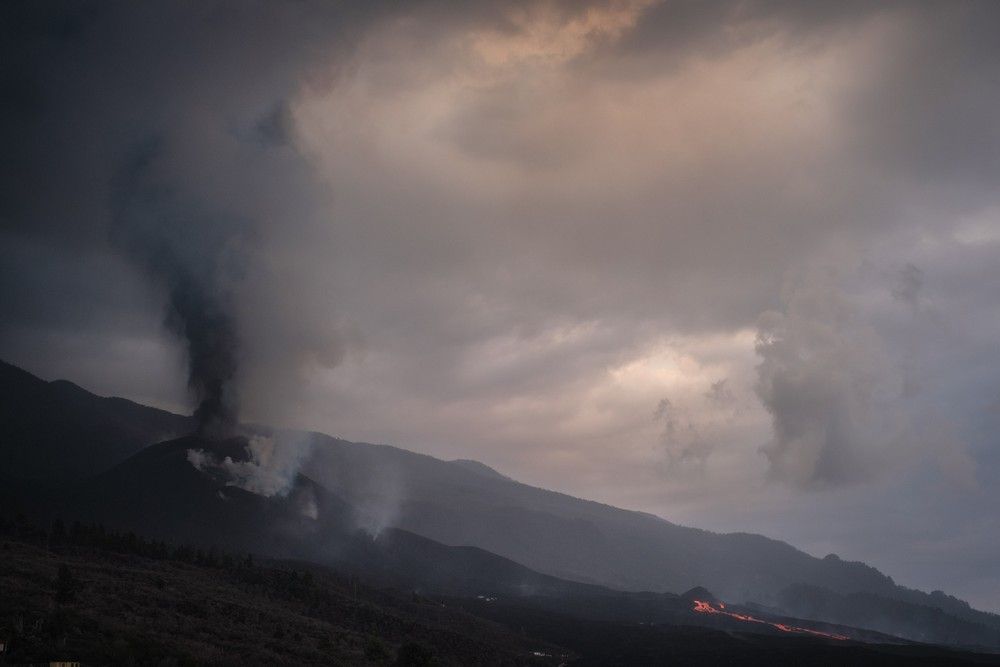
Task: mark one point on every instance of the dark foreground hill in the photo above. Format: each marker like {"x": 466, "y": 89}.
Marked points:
{"x": 87, "y": 594}
{"x": 115, "y": 607}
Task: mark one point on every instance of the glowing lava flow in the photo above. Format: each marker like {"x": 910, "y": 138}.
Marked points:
{"x": 720, "y": 608}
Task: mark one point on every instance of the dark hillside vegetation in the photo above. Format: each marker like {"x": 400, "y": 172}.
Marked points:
{"x": 102, "y": 597}
{"x": 87, "y": 593}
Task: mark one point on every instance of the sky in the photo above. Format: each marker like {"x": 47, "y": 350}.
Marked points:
{"x": 732, "y": 263}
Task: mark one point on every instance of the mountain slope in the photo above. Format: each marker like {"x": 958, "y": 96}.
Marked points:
{"x": 614, "y": 547}
{"x": 130, "y": 609}
{"x": 56, "y": 430}
{"x": 161, "y": 493}
{"x": 617, "y": 548}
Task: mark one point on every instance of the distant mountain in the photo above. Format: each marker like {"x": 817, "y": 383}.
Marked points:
{"x": 476, "y": 466}
{"x": 56, "y": 430}
{"x": 890, "y": 615}
{"x": 382, "y": 488}
{"x": 614, "y": 547}
{"x": 184, "y": 609}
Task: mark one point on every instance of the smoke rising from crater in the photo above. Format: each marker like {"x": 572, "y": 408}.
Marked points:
{"x": 271, "y": 468}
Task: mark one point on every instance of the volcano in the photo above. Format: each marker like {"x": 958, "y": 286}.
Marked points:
{"x": 161, "y": 493}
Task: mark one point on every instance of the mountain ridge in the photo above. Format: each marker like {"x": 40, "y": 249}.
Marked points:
{"x": 458, "y": 505}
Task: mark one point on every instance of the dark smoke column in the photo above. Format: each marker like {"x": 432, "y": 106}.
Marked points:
{"x": 208, "y": 328}
{"x": 193, "y": 255}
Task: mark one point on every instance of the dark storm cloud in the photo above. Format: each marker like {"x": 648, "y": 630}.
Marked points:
{"x": 510, "y": 228}
{"x": 927, "y": 111}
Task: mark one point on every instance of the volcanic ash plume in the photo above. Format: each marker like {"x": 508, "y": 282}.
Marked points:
{"x": 193, "y": 255}
{"x": 209, "y": 330}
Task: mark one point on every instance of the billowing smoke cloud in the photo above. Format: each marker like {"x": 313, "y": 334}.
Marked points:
{"x": 271, "y": 469}
{"x": 821, "y": 376}
{"x": 850, "y": 385}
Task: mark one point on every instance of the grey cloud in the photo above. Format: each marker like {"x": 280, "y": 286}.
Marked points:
{"x": 923, "y": 111}
{"x": 909, "y": 282}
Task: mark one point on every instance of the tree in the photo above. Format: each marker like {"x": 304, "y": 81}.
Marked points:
{"x": 415, "y": 655}
{"x": 66, "y": 584}
{"x": 375, "y": 649}
{"x": 57, "y": 534}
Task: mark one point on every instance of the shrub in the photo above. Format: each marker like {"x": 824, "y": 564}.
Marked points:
{"x": 415, "y": 655}
{"x": 66, "y": 584}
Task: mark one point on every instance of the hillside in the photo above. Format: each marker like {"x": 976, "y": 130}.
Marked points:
{"x": 613, "y": 547}
{"x": 122, "y": 608}
{"x": 158, "y": 492}
{"x": 85, "y": 593}
{"x": 40, "y": 419}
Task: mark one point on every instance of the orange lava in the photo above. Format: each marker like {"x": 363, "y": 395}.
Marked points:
{"x": 720, "y": 608}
